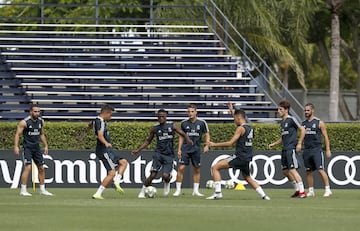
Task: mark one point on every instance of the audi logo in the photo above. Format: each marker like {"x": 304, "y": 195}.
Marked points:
{"x": 264, "y": 168}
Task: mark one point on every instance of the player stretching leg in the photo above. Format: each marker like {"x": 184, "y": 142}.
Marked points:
{"x": 243, "y": 138}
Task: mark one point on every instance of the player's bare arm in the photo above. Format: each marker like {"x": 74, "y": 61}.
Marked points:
{"x": 300, "y": 139}
{"x": 239, "y": 132}
{"x": 183, "y": 134}
{"x": 102, "y": 139}
{"x": 326, "y": 139}
{"x": 43, "y": 140}
{"x": 231, "y": 108}
{"x": 207, "y": 140}
{"x": 19, "y": 131}
{"x": 181, "y": 141}
{"x": 279, "y": 141}
{"x": 146, "y": 142}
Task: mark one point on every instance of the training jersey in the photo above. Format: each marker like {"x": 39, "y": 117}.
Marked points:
{"x": 313, "y": 134}
{"x": 100, "y": 125}
{"x": 243, "y": 149}
{"x": 289, "y": 135}
{"x": 165, "y": 138}
{"x": 32, "y": 132}
{"x": 195, "y": 131}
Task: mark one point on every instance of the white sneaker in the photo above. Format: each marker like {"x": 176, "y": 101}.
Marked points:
{"x": 267, "y": 198}
{"x": 141, "y": 195}
{"x": 166, "y": 189}
{"x": 97, "y": 197}
{"x": 327, "y": 193}
{"x": 46, "y": 193}
{"x": 215, "y": 196}
{"x": 177, "y": 193}
{"x": 197, "y": 194}
{"x": 311, "y": 194}
{"x": 25, "y": 194}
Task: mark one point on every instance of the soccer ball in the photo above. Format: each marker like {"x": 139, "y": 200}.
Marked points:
{"x": 150, "y": 192}
{"x": 229, "y": 184}
{"x": 210, "y": 184}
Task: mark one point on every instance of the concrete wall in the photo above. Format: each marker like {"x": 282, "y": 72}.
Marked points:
{"x": 320, "y": 98}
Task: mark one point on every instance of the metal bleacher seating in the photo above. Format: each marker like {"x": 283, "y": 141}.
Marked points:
{"x": 72, "y": 72}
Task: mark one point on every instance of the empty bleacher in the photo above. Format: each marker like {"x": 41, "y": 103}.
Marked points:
{"x": 71, "y": 73}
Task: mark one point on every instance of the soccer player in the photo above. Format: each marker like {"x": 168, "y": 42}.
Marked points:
{"x": 104, "y": 152}
{"x": 164, "y": 152}
{"x": 32, "y": 130}
{"x": 291, "y": 145}
{"x": 313, "y": 154}
{"x": 195, "y": 128}
{"x": 243, "y": 138}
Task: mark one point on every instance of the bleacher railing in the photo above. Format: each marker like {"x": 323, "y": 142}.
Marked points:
{"x": 254, "y": 64}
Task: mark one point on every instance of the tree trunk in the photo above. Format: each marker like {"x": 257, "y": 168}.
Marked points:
{"x": 335, "y": 63}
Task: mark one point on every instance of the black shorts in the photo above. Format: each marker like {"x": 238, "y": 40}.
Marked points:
{"x": 236, "y": 163}
{"x": 109, "y": 159}
{"x": 313, "y": 159}
{"x": 33, "y": 154}
{"x": 162, "y": 162}
{"x": 289, "y": 159}
{"x": 194, "y": 157}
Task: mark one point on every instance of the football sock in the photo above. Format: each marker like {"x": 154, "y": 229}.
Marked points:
{"x": 218, "y": 186}
{"x": 196, "y": 187}
{"x": 327, "y": 188}
{"x": 23, "y": 188}
{"x": 295, "y": 185}
{"x": 178, "y": 186}
{"x": 301, "y": 186}
{"x": 260, "y": 191}
{"x": 117, "y": 178}
{"x": 42, "y": 187}
{"x": 311, "y": 189}
{"x": 143, "y": 189}
{"x": 100, "y": 190}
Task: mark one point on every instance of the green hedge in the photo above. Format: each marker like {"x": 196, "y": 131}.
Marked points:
{"x": 129, "y": 135}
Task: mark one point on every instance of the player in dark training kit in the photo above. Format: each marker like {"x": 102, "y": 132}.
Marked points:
{"x": 243, "y": 138}
{"x": 163, "y": 158}
{"x": 291, "y": 145}
{"x": 32, "y": 130}
{"x": 104, "y": 152}
{"x": 195, "y": 128}
{"x": 313, "y": 154}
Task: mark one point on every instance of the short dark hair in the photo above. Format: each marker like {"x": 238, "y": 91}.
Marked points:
{"x": 192, "y": 105}
{"x": 162, "y": 110}
{"x": 240, "y": 112}
{"x": 33, "y": 105}
{"x": 310, "y": 105}
{"x": 284, "y": 104}
{"x": 106, "y": 108}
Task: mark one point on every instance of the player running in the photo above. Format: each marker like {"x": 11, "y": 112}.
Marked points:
{"x": 291, "y": 145}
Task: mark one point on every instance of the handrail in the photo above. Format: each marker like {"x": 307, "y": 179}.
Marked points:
{"x": 274, "y": 89}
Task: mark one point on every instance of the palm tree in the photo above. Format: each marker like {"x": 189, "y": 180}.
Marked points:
{"x": 334, "y": 7}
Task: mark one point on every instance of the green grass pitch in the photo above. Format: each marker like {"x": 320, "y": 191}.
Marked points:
{"x": 73, "y": 209}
